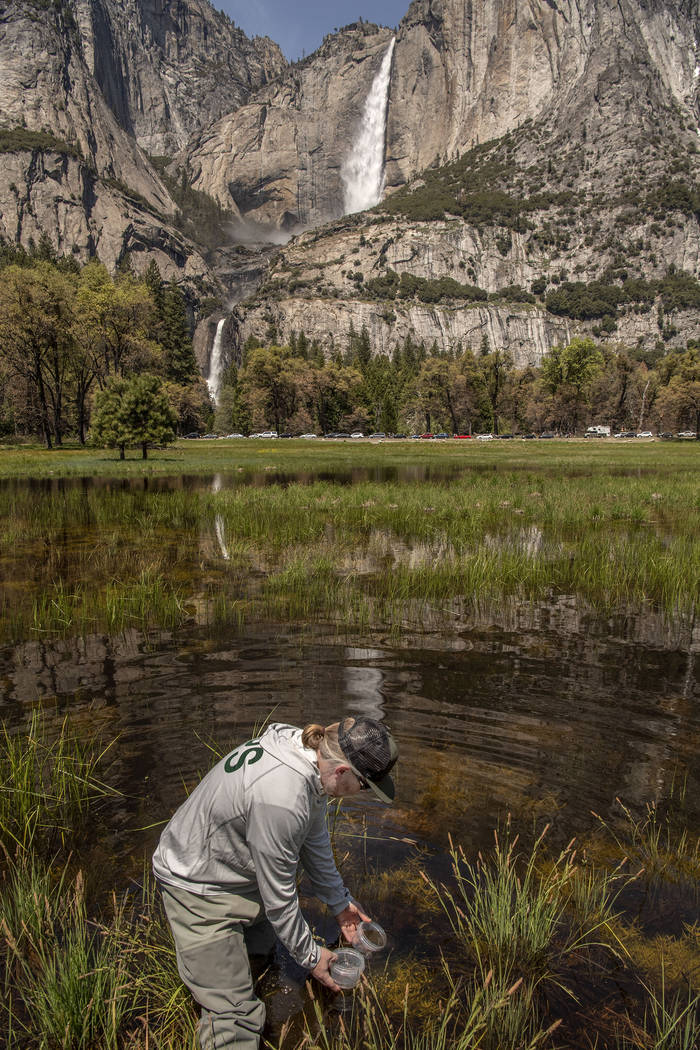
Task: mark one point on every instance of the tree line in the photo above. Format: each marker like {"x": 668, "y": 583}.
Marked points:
{"x": 88, "y": 355}
{"x": 68, "y": 333}
{"x": 296, "y": 388}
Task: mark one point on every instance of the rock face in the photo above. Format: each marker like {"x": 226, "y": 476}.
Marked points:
{"x": 596, "y": 107}
{"x": 277, "y": 160}
{"x": 527, "y": 333}
{"x": 462, "y": 73}
{"x": 168, "y": 68}
{"x": 71, "y": 166}
{"x": 570, "y": 128}
{"x": 44, "y": 192}
{"x": 47, "y": 87}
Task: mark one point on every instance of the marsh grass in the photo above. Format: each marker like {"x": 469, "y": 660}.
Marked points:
{"x": 516, "y": 918}
{"x": 70, "y": 978}
{"x": 518, "y": 913}
{"x": 464, "y": 1018}
{"x": 48, "y": 785}
{"x": 658, "y": 838}
{"x": 388, "y": 552}
{"x": 671, "y": 1021}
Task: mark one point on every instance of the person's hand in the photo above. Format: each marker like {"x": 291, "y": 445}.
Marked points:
{"x": 322, "y": 971}
{"x": 349, "y": 919}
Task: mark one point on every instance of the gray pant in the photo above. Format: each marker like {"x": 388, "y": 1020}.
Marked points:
{"x": 213, "y": 936}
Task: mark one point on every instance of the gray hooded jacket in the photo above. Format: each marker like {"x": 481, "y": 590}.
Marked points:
{"x": 246, "y": 827}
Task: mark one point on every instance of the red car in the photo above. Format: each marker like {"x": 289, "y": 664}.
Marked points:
{"x": 426, "y": 435}
{"x": 462, "y": 436}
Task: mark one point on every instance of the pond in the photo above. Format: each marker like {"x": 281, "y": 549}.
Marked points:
{"x": 548, "y": 710}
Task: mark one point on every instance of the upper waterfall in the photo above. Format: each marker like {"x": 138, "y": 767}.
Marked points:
{"x": 363, "y": 170}
{"x": 216, "y": 362}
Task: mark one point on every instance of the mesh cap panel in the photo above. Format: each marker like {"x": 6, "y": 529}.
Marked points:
{"x": 371, "y": 751}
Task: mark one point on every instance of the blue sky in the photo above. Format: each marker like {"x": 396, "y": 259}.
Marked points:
{"x": 301, "y": 26}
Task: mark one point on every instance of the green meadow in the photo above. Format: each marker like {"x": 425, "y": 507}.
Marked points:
{"x": 356, "y": 535}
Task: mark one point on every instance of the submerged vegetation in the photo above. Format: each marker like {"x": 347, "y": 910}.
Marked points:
{"x": 525, "y": 934}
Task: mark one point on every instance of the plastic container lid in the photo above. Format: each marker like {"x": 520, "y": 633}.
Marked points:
{"x": 370, "y": 938}
{"x": 347, "y": 967}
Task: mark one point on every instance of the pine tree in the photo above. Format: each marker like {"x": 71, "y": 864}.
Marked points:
{"x": 133, "y": 412}
{"x": 180, "y": 364}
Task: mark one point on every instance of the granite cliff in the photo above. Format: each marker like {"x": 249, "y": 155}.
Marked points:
{"x": 543, "y": 158}
{"x": 88, "y": 89}
{"x": 169, "y": 69}
{"x": 534, "y": 155}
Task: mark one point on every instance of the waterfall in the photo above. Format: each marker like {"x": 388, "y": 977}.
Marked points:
{"x": 216, "y": 362}
{"x": 363, "y": 171}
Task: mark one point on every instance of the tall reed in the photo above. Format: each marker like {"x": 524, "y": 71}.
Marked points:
{"x": 68, "y": 980}
{"x": 47, "y": 786}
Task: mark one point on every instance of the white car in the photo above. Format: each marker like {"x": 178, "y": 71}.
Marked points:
{"x": 484, "y": 437}
{"x": 357, "y": 434}
{"x": 235, "y": 435}
{"x": 645, "y": 434}
{"x": 309, "y": 436}
{"x": 686, "y": 434}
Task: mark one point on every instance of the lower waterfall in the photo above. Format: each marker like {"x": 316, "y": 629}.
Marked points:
{"x": 216, "y": 362}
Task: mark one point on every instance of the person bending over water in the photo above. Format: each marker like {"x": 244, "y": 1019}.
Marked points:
{"x": 227, "y": 861}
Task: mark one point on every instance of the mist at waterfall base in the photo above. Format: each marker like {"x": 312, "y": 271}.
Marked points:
{"x": 363, "y": 170}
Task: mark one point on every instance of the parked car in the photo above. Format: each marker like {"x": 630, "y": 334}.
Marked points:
{"x": 265, "y": 434}
{"x": 687, "y": 434}
{"x": 440, "y": 437}
{"x": 426, "y": 436}
{"x": 547, "y": 434}
{"x": 504, "y": 437}
{"x": 357, "y": 434}
{"x": 308, "y": 436}
{"x": 529, "y": 437}
{"x": 379, "y": 434}
{"x": 235, "y": 435}
{"x": 462, "y": 437}
{"x": 193, "y": 434}
{"x": 400, "y": 437}
{"x": 209, "y": 437}
{"x": 644, "y": 434}
{"x": 484, "y": 437}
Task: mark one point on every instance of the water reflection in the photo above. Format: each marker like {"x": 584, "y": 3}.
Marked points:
{"x": 219, "y": 527}
{"x": 555, "y": 710}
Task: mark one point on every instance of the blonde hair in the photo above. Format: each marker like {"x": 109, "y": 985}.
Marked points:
{"x": 324, "y": 739}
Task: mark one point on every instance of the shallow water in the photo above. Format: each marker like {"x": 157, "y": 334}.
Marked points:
{"x": 547, "y": 712}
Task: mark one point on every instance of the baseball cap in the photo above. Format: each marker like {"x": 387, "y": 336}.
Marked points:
{"x": 371, "y": 752}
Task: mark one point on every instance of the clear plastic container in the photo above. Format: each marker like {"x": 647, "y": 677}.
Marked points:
{"x": 370, "y": 938}
{"x": 347, "y": 967}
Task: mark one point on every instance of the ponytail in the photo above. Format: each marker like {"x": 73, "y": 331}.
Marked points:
{"x": 312, "y": 736}
{"x": 325, "y": 741}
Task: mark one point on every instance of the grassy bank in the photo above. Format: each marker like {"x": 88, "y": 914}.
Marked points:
{"x": 212, "y": 457}
{"x": 520, "y": 946}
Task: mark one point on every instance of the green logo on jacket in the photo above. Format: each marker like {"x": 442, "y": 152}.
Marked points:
{"x": 246, "y": 754}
